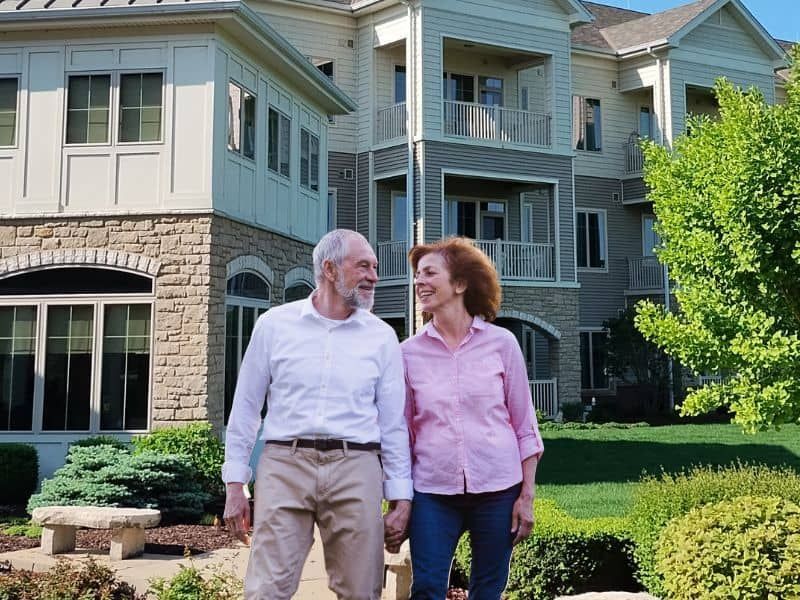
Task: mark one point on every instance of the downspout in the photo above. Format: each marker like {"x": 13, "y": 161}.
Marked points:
{"x": 410, "y": 201}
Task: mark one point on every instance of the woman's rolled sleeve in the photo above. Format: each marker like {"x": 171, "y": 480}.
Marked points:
{"x": 520, "y": 403}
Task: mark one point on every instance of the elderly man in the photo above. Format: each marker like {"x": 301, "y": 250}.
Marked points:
{"x": 334, "y": 434}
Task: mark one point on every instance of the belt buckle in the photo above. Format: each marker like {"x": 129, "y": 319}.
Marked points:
{"x": 323, "y": 445}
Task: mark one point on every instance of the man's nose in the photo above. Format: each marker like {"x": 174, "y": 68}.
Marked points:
{"x": 372, "y": 274}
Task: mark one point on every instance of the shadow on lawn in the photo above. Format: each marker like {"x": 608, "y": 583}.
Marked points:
{"x": 571, "y": 461}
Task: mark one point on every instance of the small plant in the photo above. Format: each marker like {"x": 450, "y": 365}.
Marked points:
{"x": 21, "y": 527}
{"x": 191, "y": 583}
{"x": 743, "y": 548}
{"x": 572, "y": 411}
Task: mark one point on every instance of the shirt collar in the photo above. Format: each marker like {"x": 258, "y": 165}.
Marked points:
{"x": 309, "y": 310}
{"x": 478, "y": 324}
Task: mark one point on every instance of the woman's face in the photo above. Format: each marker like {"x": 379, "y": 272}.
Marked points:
{"x": 433, "y": 285}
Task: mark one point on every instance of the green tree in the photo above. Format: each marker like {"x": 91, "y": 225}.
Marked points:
{"x": 728, "y": 202}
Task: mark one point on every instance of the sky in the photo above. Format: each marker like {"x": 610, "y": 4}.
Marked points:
{"x": 780, "y": 17}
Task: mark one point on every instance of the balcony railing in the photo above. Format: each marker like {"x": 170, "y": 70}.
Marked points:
{"x": 645, "y": 273}
{"x": 545, "y": 396}
{"x": 495, "y": 123}
{"x": 391, "y": 123}
{"x": 634, "y": 158}
{"x": 520, "y": 260}
{"x": 392, "y": 260}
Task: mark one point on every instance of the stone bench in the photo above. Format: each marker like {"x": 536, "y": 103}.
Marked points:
{"x": 127, "y": 527}
{"x": 398, "y": 574}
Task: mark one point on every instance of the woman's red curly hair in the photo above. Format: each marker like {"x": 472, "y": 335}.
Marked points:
{"x": 467, "y": 264}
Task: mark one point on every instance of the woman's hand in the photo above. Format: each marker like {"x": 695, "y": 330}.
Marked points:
{"x": 522, "y": 518}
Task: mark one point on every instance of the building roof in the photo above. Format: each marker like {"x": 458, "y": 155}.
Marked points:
{"x": 783, "y": 74}
{"x": 589, "y": 34}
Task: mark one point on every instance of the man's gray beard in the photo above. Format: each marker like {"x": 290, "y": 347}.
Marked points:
{"x": 351, "y": 296}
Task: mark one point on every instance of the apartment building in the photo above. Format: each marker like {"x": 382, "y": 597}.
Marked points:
{"x": 166, "y": 167}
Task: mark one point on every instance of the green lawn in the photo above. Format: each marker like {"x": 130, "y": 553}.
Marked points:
{"x": 592, "y": 472}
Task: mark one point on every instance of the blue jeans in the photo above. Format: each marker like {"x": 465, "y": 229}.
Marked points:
{"x": 437, "y": 522}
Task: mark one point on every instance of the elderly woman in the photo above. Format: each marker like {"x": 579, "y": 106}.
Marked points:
{"x": 474, "y": 437}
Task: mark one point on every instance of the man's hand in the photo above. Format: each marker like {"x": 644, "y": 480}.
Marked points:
{"x": 237, "y": 512}
{"x": 522, "y": 518}
{"x": 395, "y": 524}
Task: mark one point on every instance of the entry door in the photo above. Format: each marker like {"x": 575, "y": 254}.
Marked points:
{"x": 650, "y": 239}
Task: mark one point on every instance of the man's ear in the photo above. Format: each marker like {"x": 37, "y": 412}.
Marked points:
{"x": 329, "y": 270}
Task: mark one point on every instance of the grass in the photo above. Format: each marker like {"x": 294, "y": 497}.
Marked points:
{"x": 593, "y": 472}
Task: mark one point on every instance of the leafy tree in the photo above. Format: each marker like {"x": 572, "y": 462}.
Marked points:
{"x": 728, "y": 202}
{"x": 631, "y": 357}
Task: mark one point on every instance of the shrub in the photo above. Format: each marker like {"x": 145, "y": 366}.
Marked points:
{"x": 554, "y": 426}
{"x": 658, "y": 500}
{"x": 100, "y": 440}
{"x": 198, "y": 443}
{"x": 572, "y": 411}
{"x": 192, "y": 584}
{"x": 21, "y": 527}
{"x": 108, "y": 476}
{"x": 565, "y": 555}
{"x": 67, "y": 580}
{"x": 743, "y": 548}
{"x": 18, "y": 463}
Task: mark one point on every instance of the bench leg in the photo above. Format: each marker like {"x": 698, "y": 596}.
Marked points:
{"x": 57, "y": 539}
{"x": 126, "y": 543}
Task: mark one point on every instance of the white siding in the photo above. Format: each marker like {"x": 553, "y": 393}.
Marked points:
{"x": 637, "y": 73}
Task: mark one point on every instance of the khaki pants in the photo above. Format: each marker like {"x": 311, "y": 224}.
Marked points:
{"x": 339, "y": 491}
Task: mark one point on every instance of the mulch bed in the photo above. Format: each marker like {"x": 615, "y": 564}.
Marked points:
{"x": 171, "y": 540}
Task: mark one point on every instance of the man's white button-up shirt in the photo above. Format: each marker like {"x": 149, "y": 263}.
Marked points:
{"x": 326, "y": 379}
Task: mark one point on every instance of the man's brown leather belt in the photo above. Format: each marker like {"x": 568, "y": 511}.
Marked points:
{"x": 326, "y": 444}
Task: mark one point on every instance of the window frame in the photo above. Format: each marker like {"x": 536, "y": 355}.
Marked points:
{"x": 393, "y": 215}
{"x": 333, "y": 207}
{"x": 15, "y": 134}
{"x": 98, "y": 302}
{"x": 603, "y": 240}
{"x": 398, "y": 68}
{"x": 243, "y": 89}
{"x": 310, "y": 186}
{"x": 115, "y": 110}
{"x": 281, "y": 114}
{"x": 583, "y": 116}
{"x": 592, "y": 331}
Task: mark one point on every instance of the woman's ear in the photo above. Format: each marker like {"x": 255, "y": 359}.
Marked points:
{"x": 459, "y": 286}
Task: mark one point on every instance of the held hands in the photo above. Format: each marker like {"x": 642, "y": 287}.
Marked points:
{"x": 237, "y": 512}
{"x": 522, "y": 518}
{"x": 395, "y": 524}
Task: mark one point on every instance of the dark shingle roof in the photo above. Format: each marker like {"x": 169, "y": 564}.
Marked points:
{"x": 783, "y": 74}
{"x": 604, "y": 16}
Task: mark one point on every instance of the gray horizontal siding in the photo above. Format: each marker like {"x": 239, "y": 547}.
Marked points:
{"x": 388, "y": 160}
{"x": 390, "y": 300}
{"x": 362, "y": 198}
{"x": 345, "y": 188}
{"x": 442, "y": 155}
{"x": 634, "y": 189}
{"x": 602, "y": 294}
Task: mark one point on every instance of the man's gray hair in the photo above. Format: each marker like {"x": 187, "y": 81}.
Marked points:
{"x": 332, "y": 247}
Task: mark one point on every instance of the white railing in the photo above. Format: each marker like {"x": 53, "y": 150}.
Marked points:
{"x": 520, "y": 260}
{"x": 391, "y": 123}
{"x": 634, "y": 158}
{"x": 545, "y": 396}
{"x": 484, "y": 122}
{"x": 392, "y": 259}
{"x": 645, "y": 273}
{"x": 707, "y": 379}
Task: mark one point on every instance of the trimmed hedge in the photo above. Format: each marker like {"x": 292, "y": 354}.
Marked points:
{"x": 659, "y": 500}
{"x": 109, "y": 476}
{"x": 19, "y": 463}
{"x": 565, "y": 555}
{"x": 743, "y": 548}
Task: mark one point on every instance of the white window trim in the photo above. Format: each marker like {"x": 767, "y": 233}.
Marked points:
{"x": 479, "y": 213}
{"x": 310, "y": 135}
{"x": 602, "y": 128}
{"x": 395, "y": 101}
{"x": 395, "y": 194}
{"x": 18, "y": 79}
{"x": 476, "y": 87}
{"x": 646, "y": 216}
{"x": 114, "y": 117}
{"x": 240, "y": 153}
{"x": 591, "y": 330}
{"x": 98, "y": 302}
{"x": 333, "y": 205}
{"x": 281, "y": 113}
{"x": 604, "y": 240}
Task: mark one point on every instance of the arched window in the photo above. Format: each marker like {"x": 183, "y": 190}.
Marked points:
{"x": 247, "y": 296}
{"x": 297, "y": 291}
{"x": 75, "y": 350}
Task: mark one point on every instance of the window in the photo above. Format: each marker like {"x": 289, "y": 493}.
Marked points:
{"x": 88, "y": 109}
{"x": 399, "y": 216}
{"x": 527, "y": 222}
{"x": 399, "y": 84}
{"x": 280, "y": 129}
{"x": 593, "y": 360}
{"x": 460, "y": 218}
{"x": 332, "y": 202}
{"x": 71, "y": 362}
{"x": 8, "y": 111}
{"x": 458, "y": 87}
{"x": 491, "y": 91}
{"x": 241, "y": 121}
{"x": 586, "y": 124}
{"x": 297, "y": 291}
{"x": 140, "y": 107}
{"x": 247, "y": 297}
{"x": 493, "y": 220}
{"x": 325, "y": 65}
{"x": 645, "y": 123}
{"x": 483, "y": 220}
{"x": 650, "y": 239}
{"x": 309, "y": 160}
{"x": 591, "y": 238}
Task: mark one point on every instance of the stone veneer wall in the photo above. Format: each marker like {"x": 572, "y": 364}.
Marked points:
{"x": 557, "y": 307}
{"x": 188, "y": 255}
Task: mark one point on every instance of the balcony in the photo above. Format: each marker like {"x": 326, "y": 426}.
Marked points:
{"x": 391, "y": 123}
{"x": 544, "y": 393}
{"x": 496, "y": 124}
{"x": 634, "y": 158}
{"x": 392, "y": 260}
{"x": 645, "y": 275}
{"x": 520, "y": 261}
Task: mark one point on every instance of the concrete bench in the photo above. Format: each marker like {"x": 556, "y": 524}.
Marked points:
{"x": 127, "y": 527}
{"x": 398, "y": 574}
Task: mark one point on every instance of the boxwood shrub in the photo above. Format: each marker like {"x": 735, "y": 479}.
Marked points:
{"x": 743, "y": 548}
{"x": 565, "y": 555}
{"x": 657, "y": 500}
{"x": 19, "y": 463}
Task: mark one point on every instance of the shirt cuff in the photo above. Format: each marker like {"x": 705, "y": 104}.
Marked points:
{"x": 530, "y": 447}
{"x": 236, "y": 473}
{"x": 398, "y": 489}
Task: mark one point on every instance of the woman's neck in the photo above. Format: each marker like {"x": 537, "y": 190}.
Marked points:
{"x": 453, "y": 325}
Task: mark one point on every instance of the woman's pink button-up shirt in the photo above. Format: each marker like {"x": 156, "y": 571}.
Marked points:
{"x": 469, "y": 411}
